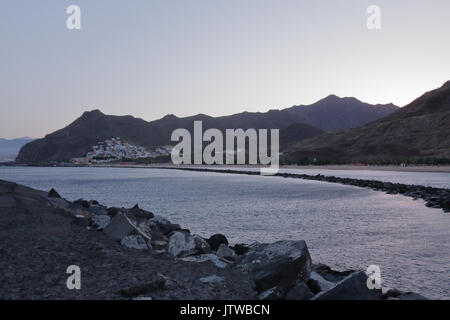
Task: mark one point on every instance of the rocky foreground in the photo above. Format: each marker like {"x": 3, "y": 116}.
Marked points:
{"x": 133, "y": 254}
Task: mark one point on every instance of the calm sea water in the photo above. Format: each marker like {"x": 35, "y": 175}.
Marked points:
{"x": 344, "y": 226}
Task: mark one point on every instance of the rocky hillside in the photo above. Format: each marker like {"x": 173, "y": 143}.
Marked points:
{"x": 418, "y": 130}
{"x": 300, "y": 122}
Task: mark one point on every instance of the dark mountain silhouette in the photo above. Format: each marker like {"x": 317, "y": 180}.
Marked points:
{"x": 76, "y": 139}
{"x": 418, "y": 130}
{"x": 297, "y": 132}
{"x": 333, "y": 113}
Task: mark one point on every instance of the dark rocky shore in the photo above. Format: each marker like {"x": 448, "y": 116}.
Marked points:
{"x": 134, "y": 254}
{"x": 433, "y": 197}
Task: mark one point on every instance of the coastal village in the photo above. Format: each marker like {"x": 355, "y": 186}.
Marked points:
{"x": 115, "y": 149}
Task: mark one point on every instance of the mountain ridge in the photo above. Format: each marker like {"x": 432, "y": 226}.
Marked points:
{"x": 418, "y": 130}
{"x": 93, "y": 126}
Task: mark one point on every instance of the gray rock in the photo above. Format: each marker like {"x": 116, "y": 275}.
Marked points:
{"x": 169, "y": 228}
{"x": 144, "y": 229}
{"x": 213, "y": 279}
{"x": 53, "y": 194}
{"x": 329, "y": 274}
{"x": 240, "y": 249}
{"x": 216, "y": 240}
{"x": 313, "y": 285}
{"x": 300, "y": 292}
{"x": 391, "y": 293}
{"x": 159, "y": 245}
{"x": 322, "y": 283}
{"x": 119, "y": 227}
{"x": 98, "y": 210}
{"x": 134, "y": 242}
{"x": 139, "y": 213}
{"x": 207, "y": 257}
{"x": 353, "y": 287}
{"x": 225, "y": 252}
{"x": 158, "y": 236}
{"x": 182, "y": 244}
{"x": 101, "y": 221}
{"x": 271, "y": 294}
{"x": 162, "y": 225}
{"x": 81, "y": 202}
{"x": 112, "y": 211}
{"x": 60, "y": 203}
{"x": 411, "y": 296}
{"x": 282, "y": 264}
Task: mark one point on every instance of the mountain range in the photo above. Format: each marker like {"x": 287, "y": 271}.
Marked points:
{"x": 295, "y": 124}
{"x": 419, "y": 130}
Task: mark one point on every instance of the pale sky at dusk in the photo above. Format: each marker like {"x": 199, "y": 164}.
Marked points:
{"x": 151, "y": 58}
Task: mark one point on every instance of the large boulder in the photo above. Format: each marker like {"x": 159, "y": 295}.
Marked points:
{"x": 300, "y": 292}
{"x": 135, "y": 242}
{"x": 317, "y": 283}
{"x": 97, "y": 209}
{"x": 182, "y": 244}
{"x": 162, "y": 225}
{"x": 280, "y": 265}
{"x": 101, "y": 221}
{"x": 225, "y": 252}
{"x": 82, "y": 203}
{"x": 240, "y": 249}
{"x": 353, "y": 287}
{"x": 329, "y": 274}
{"x": 138, "y": 213}
{"x": 119, "y": 227}
{"x": 53, "y": 194}
{"x": 216, "y": 240}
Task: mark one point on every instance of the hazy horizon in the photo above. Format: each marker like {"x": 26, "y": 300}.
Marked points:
{"x": 152, "y": 58}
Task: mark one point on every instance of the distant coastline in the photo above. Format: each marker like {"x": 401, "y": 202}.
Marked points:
{"x": 395, "y": 168}
{"x": 416, "y": 168}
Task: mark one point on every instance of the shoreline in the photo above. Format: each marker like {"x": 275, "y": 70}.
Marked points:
{"x": 393, "y": 168}
{"x": 443, "y": 169}
{"x": 164, "y": 260}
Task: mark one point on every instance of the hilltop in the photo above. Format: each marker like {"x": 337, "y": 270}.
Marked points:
{"x": 417, "y": 131}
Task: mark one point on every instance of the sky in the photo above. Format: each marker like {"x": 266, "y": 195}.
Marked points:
{"x": 149, "y": 58}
